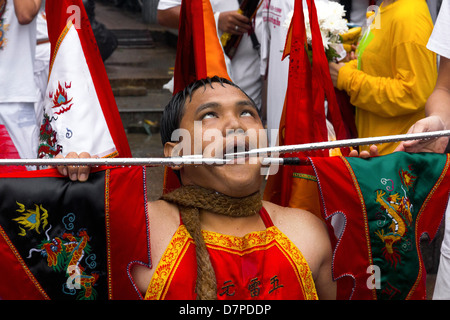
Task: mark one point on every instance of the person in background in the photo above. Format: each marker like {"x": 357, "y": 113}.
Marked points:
{"x": 394, "y": 73}
{"x": 244, "y": 67}
{"x": 18, "y": 90}
{"x": 437, "y": 108}
{"x": 42, "y": 62}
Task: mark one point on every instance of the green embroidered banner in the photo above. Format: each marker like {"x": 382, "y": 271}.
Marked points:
{"x": 395, "y": 195}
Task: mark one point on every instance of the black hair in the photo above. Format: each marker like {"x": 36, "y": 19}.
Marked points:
{"x": 174, "y": 111}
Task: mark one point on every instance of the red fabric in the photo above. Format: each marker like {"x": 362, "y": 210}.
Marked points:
{"x": 58, "y": 13}
{"x": 8, "y": 151}
{"x": 303, "y": 118}
{"x": 356, "y": 240}
{"x": 199, "y": 52}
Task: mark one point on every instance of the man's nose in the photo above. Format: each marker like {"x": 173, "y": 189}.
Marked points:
{"x": 232, "y": 125}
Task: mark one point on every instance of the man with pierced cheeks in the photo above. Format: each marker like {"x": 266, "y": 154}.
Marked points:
{"x": 214, "y": 238}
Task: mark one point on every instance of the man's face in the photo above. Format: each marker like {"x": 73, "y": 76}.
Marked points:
{"x": 221, "y": 120}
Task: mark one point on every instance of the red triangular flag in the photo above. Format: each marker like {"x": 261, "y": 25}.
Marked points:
{"x": 303, "y": 119}
{"x": 80, "y": 112}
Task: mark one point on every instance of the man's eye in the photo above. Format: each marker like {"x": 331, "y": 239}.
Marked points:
{"x": 246, "y": 113}
{"x": 209, "y": 115}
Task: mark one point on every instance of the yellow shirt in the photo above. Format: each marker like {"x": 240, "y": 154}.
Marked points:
{"x": 396, "y": 72}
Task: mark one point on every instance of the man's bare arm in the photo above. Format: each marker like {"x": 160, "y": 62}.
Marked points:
{"x": 169, "y": 18}
{"x": 26, "y": 10}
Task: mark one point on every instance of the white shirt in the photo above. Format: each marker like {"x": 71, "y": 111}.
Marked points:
{"x": 17, "y": 59}
{"x": 244, "y": 68}
{"x": 275, "y": 13}
{"x": 439, "y": 41}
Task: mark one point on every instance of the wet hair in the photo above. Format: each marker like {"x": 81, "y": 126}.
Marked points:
{"x": 174, "y": 111}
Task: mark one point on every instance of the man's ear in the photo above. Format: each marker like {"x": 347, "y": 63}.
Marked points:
{"x": 168, "y": 150}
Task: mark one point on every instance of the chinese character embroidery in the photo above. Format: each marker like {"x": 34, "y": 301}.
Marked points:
{"x": 226, "y": 288}
{"x": 254, "y": 288}
{"x": 274, "y": 282}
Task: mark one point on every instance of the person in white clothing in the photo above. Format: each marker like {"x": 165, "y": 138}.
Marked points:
{"x": 41, "y": 63}
{"x": 18, "y": 90}
{"x": 273, "y": 68}
{"x": 275, "y": 13}
{"x": 245, "y": 65}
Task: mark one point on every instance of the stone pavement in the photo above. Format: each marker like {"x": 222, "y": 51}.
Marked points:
{"x": 137, "y": 70}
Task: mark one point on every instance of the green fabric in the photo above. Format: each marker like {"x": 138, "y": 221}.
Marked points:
{"x": 365, "y": 41}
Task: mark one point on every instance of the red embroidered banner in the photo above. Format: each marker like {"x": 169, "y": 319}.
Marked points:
{"x": 65, "y": 240}
{"x": 377, "y": 210}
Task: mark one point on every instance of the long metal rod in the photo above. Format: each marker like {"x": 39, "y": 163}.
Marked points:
{"x": 340, "y": 143}
{"x": 198, "y": 160}
{"x": 114, "y": 161}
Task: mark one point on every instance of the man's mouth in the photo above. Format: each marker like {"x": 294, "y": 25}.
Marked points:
{"x": 237, "y": 144}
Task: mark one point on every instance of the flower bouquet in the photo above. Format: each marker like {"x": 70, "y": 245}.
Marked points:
{"x": 332, "y": 25}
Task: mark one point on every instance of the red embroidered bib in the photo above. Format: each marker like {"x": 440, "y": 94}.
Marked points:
{"x": 260, "y": 265}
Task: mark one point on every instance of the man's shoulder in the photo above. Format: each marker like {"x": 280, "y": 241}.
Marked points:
{"x": 288, "y": 215}
{"x": 163, "y": 213}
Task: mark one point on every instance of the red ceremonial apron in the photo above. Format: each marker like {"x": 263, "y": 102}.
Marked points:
{"x": 261, "y": 265}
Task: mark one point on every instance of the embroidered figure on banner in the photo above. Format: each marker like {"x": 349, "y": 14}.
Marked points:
{"x": 69, "y": 252}
{"x": 399, "y": 211}
{"x": 36, "y": 219}
{"x": 48, "y": 146}
{"x": 61, "y": 101}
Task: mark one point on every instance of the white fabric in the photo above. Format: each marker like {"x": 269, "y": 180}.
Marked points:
{"x": 20, "y": 122}
{"x": 167, "y": 4}
{"x": 442, "y": 285}
{"x": 439, "y": 41}
{"x": 244, "y": 67}
{"x": 41, "y": 63}
{"x": 17, "y": 58}
{"x": 80, "y": 124}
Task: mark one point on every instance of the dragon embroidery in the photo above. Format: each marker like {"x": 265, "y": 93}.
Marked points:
{"x": 48, "y": 144}
{"x": 399, "y": 209}
{"x": 64, "y": 253}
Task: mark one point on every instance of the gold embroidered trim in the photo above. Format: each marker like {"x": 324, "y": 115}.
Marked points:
{"x": 168, "y": 265}
{"x": 108, "y": 231}
{"x": 304, "y": 176}
{"x": 58, "y": 44}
